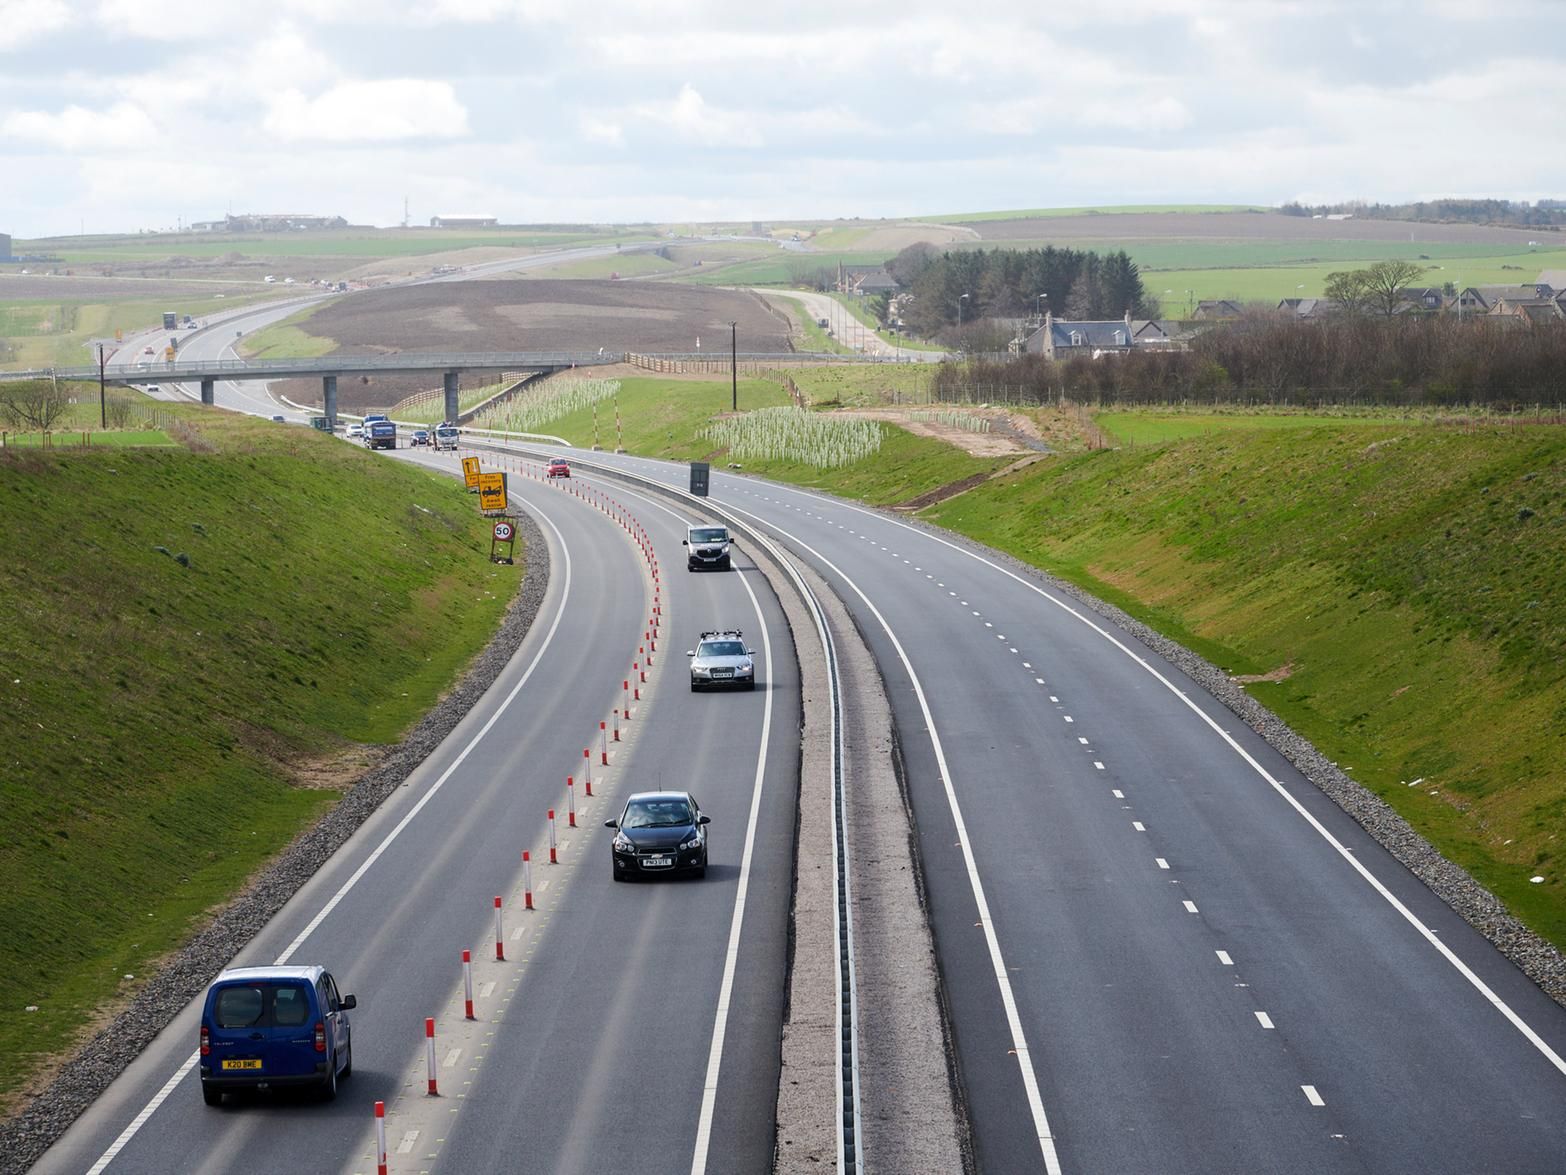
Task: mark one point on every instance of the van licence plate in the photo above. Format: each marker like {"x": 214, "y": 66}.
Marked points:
{"x": 241, "y": 1064}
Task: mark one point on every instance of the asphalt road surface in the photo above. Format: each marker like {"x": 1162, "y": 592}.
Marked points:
{"x": 1163, "y": 948}
{"x": 600, "y": 1025}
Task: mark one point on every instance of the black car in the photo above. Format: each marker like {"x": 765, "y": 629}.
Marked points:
{"x": 659, "y": 832}
{"x": 420, "y": 437}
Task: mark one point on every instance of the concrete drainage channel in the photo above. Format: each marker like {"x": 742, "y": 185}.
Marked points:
{"x": 865, "y": 1085}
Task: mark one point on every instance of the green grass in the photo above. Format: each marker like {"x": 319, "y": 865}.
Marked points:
{"x": 357, "y": 245}
{"x": 153, "y": 711}
{"x": 1158, "y": 427}
{"x": 73, "y": 325}
{"x": 814, "y": 338}
{"x": 623, "y": 264}
{"x": 1409, "y": 576}
{"x": 781, "y": 268}
{"x": 852, "y": 385}
{"x": 288, "y": 339}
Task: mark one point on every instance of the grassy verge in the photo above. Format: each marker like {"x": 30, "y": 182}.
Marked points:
{"x": 1406, "y": 578}
{"x": 59, "y": 333}
{"x": 287, "y": 340}
{"x": 181, "y": 630}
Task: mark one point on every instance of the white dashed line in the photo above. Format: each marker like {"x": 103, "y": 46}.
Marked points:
{"x": 1097, "y": 765}
{"x": 452, "y": 1057}
{"x": 1080, "y": 739}
{"x": 1137, "y": 824}
{"x": 1117, "y": 793}
{"x": 1162, "y": 864}
{"x": 1312, "y": 1096}
{"x": 1039, "y": 680}
{"x": 405, "y": 1147}
{"x": 1068, "y": 717}
{"x": 1190, "y": 907}
{"x": 1263, "y": 1019}
{"x": 1223, "y": 957}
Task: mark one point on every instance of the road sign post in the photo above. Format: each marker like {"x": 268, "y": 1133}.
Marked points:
{"x": 492, "y": 492}
{"x": 502, "y": 541}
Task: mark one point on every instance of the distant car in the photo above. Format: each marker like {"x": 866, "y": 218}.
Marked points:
{"x": 269, "y": 279}
{"x": 280, "y": 419}
{"x": 263, "y": 1027}
{"x": 659, "y": 832}
{"x": 154, "y": 390}
{"x": 420, "y": 437}
{"x": 721, "y": 658}
{"x": 288, "y": 281}
{"x": 557, "y": 468}
{"x": 148, "y": 351}
{"x": 355, "y": 432}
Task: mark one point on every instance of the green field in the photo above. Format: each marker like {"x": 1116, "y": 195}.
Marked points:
{"x": 354, "y": 244}
{"x": 211, "y": 611}
{"x": 288, "y": 339}
{"x": 1105, "y": 210}
{"x": 1408, "y": 577}
{"x": 47, "y": 333}
{"x": 1158, "y": 427}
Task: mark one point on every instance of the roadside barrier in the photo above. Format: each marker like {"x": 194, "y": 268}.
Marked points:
{"x": 527, "y": 880}
{"x": 429, "y": 1051}
{"x": 500, "y": 934}
{"x": 467, "y": 984}
{"x": 553, "y": 859}
{"x": 570, "y": 802}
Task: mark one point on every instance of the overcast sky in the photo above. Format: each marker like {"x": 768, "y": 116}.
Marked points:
{"x": 117, "y": 115}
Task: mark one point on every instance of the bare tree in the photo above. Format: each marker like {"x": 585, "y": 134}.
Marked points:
{"x": 1385, "y": 282}
{"x": 37, "y": 404}
{"x": 1348, "y": 290}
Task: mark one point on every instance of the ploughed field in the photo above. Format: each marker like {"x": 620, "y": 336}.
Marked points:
{"x": 532, "y": 315}
{"x": 1246, "y": 226}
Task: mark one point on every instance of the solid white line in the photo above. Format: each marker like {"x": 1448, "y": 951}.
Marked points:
{"x": 1312, "y": 1096}
{"x": 140, "y": 1119}
{"x": 1030, "y": 1083}
{"x": 1321, "y": 830}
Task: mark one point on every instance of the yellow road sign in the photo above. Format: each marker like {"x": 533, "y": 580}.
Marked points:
{"x": 492, "y": 491}
{"x": 470, "y": 472}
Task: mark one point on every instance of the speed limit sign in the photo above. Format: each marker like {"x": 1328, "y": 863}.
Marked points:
{"x": 503, "y": 532}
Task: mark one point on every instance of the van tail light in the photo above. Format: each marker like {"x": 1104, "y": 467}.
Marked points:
{"x": 206, "y": 1041}
{"x": 320, "y": 1037}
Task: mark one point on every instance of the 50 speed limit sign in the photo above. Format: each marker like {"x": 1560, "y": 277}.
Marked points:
{"x": 504, "y": 532}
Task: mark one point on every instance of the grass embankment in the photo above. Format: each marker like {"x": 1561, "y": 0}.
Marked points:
{"x": 155, "y": 712}
{"x": 288, "y": 339}
{"x": 59, "y": 333}
{"x": 1406, "y": 579}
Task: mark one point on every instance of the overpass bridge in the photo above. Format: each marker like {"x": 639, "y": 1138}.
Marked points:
{"x": 329, "y": 368}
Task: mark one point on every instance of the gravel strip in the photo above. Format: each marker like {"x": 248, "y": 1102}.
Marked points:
{"x": 1534, "y": 956}
{"x": 25, "y": 1137}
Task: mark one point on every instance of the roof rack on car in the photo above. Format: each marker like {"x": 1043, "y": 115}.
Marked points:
{"x": 720, "y": 632}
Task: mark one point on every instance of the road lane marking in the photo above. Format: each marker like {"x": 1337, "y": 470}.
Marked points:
{"x": 1190, "y": 907}
{"x": 1162, "y": 864}
{"x": 1223, "y": 957}
{"x": 158, "y": 1098}
{"x": 1263, "y": 1019}
{"x": 1137, "y": 824}
{"x": 1312, "y": 1096}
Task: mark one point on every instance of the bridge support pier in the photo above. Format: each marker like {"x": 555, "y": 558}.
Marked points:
{"x": 208, "y": 396}
{"x": 329, "y": 397}
{"x": 449, "y": 384}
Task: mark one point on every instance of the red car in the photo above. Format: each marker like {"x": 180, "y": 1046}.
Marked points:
{"x": 557, "y": 468}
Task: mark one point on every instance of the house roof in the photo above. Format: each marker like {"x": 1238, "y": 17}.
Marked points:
{"x": 1217, "y": 308}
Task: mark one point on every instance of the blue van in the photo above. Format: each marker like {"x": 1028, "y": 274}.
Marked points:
{"x": 263, "y": 1027}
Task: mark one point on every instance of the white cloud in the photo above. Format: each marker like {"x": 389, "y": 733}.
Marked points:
{"x": 26, "y": 20}
{"x": 123, "y": 127}
{"x": 374, "y": 111}
{"x": 690, "y": 117}
{"x": 601, "y": 130}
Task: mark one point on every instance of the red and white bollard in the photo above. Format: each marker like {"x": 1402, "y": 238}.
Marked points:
{"x": 587, "y": 767}
{"x": 380, "y": 1138}
{"x": 617, "y": 726}
{"x": 626, "y": 685}
{"x": 553, "y": 859}
{"x": 429, "y": 1054}
{"x": 527, "y": 880}
{"x": 500, "y": 935}
{"x": 467, "y": 984}
{"x": 603, "y": 747}
{"x": 570, "y": 802}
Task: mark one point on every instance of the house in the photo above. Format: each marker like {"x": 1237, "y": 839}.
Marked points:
{"x": 1062, "y": 338}
{"x": 1485, "y": 299}
{"x": 463, "y": 220}
{"x": 1217, "y": 308}
{"x": 1312, "y": 308}
{"x": 1421, "y": 300}
{"x": 865, "y": 280}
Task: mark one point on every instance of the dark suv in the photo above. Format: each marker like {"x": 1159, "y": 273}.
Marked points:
{"x": 263, "y": 1027}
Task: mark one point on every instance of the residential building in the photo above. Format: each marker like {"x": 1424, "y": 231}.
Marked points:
{"x": 1209, "y": 308}
{"x": 463, "y": 220}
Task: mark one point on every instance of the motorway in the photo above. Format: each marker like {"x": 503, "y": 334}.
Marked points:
{"x": 1162, "y": 947}
{"x": 596, "y": 1031}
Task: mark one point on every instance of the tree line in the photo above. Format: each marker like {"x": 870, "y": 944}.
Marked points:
{"x": 967, "y": 286}
{"x": 1540, "y": 214}
{"x": 1396, "y": 362}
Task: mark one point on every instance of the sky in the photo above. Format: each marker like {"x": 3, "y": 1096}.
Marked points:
{"x": 119, "y": 116}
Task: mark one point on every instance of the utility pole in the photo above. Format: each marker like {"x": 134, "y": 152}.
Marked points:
{"x": 734, "y": 361}
{"x": 103, "y": 401}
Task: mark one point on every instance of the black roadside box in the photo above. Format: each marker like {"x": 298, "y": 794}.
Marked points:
{"x": 699, "y": 470}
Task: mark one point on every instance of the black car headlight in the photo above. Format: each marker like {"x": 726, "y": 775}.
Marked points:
{"x": 693, "y": 843}
{"x": 623, "y": 844}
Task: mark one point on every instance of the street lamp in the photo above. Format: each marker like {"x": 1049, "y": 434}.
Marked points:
{"x": 1038, "y": 305}
{"x": 734, "y": 361}
{"x": 960, "y": 301}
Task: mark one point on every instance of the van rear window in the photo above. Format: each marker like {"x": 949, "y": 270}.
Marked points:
{"x": 262, "y": 1006}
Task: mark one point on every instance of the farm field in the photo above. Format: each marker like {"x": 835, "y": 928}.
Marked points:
{"x": 1251, "y": 226}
